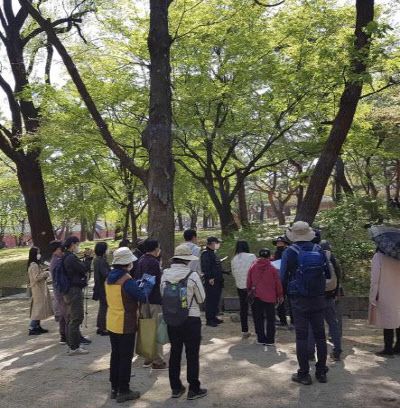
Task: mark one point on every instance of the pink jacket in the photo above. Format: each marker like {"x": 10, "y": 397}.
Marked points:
{"x": 265, "y": 279}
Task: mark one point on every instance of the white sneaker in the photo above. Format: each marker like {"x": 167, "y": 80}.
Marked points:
{"x": 77, "y": 352}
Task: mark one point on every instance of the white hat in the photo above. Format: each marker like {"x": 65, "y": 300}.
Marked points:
{"x": 183, "y": 252}
{"x": 123, "y": 256}
{"x": 300, "y": 231}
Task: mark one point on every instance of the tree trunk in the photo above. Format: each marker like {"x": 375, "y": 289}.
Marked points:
{"x": 397, "y": 190}
{"x": 180, "y": 221}
{"x": 278, "y": 210}
{"x": 30, "y": 179}
{"x": 134, "y": 235}
{"x": 243, "y": 212}
{"x": 344, "y": 118}
{"x": 341, "y": 177}
{"x": 205, "y": 220}
{"x": 157, "y": 137}
{"x": 126, "y": 222}
{"x": 262, "y": 211}
{"x": 84, "y": 229}
{"x": 228, "y": 224}
{"x": 193, "y": 219}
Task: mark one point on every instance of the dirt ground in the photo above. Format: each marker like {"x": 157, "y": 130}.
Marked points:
{"x": 36, "y": 372}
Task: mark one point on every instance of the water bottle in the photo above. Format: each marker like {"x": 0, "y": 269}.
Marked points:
{"x": 183, "y": 296}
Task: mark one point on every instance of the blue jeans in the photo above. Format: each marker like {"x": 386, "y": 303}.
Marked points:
{"x": 306, "y": 312}
{"x": 334, "y": 329}
{"x": 34, "y": 324}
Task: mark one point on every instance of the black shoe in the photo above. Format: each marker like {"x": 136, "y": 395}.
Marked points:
{"x": 192, "y": 395}
{"x": 335, "y": 356}
{"x": 321, "y": 377}
{"x": 396, "y": 349}
{"x": 114, "y": 393}
{"x": 218, "y": 321}
{"x": 42, "y": 330}
{"x": 103, "y": 332}
{"x": 212, "y": 324}
{"x": 302, "y": 379}
{"x": 128, "y": 396}
{"x": 178, "y": 393}
{"x": 63, "y": 340}
{"x": 385, "y": 353}
{"x": 35, "y": 332}
{"x": 84, "y": 340}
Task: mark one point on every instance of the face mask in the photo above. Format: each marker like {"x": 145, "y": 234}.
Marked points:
{"x": 217, "y": 245}
{"x": 38, "y": 257}
{"x": 77, "y": 249}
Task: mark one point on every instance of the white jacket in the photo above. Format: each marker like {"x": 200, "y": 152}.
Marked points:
{"x": 240, "y": 266}
{"x": 195, "y": 287}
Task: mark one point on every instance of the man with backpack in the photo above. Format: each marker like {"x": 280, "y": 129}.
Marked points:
{"x": 76, "y": 271}
{"x": 304, "y": 270}
{"x": 182, "y": 292}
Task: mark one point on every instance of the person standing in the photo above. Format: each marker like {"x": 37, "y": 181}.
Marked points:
{"x": 60, "y": 307}
{"x": 149, "y": 263}
{"x": 122, "y": 296}
{"x": 213, "y": 280}
{"x": 263, "y": 281}
{"x": 240, "y": 266}
{"x": 76, "y": 271}
{"x": 41, "y": 300}
{"x": 188, "y": 333}
{"x": 190, "y": 237}
{"x": 303, "y": 273}
{"x": 384, "y": 300}
{"x": 101, "y": 270}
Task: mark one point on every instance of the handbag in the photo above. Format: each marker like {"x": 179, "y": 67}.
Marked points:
{"x": 162, "y": 332}
{"x": 146, "y": 340}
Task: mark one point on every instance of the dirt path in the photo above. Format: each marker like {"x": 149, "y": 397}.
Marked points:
{"x": 36, "y": 372}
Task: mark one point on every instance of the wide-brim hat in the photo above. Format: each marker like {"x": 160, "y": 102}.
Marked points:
{"x": 123, "y": 256}
{"x": 300, "y": 231}
{"x": 183, "y": 252}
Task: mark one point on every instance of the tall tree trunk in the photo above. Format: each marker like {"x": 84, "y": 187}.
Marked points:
{"x": 397, "y": 190}
{"x": 227, "y": 220}
{"x": 193, "y": 219}
{"x": 157, "y": 137}
{"x": 262, "y": 211}
{"x": 180, "y": 221}
{"x": 30, "y": 179}
{"x": 341, "y": 179}
{"x": 205, "y": 219}
{"x": 344, "y": 117}
{"x": 134, "y": 235}
{"x": 243, "y": 212}
{"x": 125, "y": 228}
{"x": 371, "y": 188}
{"x": 278, "y": 210}
{"x": 84, "y": 229}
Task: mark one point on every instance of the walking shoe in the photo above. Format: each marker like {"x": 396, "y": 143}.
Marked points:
{"x": 212, "y": 324}
{"x": 321, "y": 377}
{"x": 40, "y": 328}
{"x": 246, "y": 335}
{"x": 218, "y": 321}
{"x": 114, "y": 393}
{"x": 192, "y": 395}
{"x": 302, "y": 379}
{"x": 85, "y": 340}
{"x": 78, "y": 351}
{"x": 34, "y": 332}
{"x": 128, "y": 396}
{"x": 384, "y": 353}
{"x": 178, "y": 393}
{"x": 159, "y": 366}
{"x": 63, "y": 340}
{"x": 102, "y": 332}
{"x": 335, "y": 356}
{"x": 261, "y": 343}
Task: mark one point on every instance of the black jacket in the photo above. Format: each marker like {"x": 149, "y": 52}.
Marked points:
{"x": 76, "y": 269}
{"x": 101, "y": 269}
{"x": 211, "y": 265}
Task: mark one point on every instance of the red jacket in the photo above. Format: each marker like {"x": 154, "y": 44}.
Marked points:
{"x": 264, "y": 277}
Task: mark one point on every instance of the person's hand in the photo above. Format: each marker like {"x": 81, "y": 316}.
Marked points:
{"x": 281, "y": 300}
{"x": 211, "y": 282}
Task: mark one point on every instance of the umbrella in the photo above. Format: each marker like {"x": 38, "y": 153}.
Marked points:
{"x": 387, "y": 239}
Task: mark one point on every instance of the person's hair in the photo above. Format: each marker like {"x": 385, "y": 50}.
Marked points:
{"x": 242, "y": 246}
{"x": 124, "y": 243}
{"x": 264, "y": 253}
{"x": 54, "y": 245}
{"x": 33, "y": 253}
{"x": 69, "y": 241}
{"x": 189, "y": 234}
{"x": 140, "y": 244}
{"x": 100, "y": 248}
{"x": 150, "y": 245}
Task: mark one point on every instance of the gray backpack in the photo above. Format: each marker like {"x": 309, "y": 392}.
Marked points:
{"x": 175, "y": 305}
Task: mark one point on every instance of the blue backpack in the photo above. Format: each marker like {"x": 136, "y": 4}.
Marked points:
{"x": 61, "y": 281}
{"x": 309, "y": 279}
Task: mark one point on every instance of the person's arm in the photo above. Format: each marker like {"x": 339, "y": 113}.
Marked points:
{"x": 283, "y": 272}
{"x": 278, "y": 285}
{"x": 375, "y": 275}
{"x": 132, "y": 288}
{"x": 207, "y": 265}
{"x": 104, "y": 268}
{"x": 338, "y": 273}
{"x": 37, "y": 273}
{"x": 73, "y": 265}
{"x": 250, "y": 278}
{"x": 198, "y": 289}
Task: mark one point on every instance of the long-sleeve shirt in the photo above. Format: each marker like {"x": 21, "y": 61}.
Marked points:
{"x": 76, "y": 269}
{"x": 151, "y": 265}
{"x": 240, "y": 266}
{"x": 101, "y": 270}
{"x": 211, "y": 265}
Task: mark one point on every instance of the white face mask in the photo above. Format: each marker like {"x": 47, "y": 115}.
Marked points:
{"x": 217, "y": 245}
{"x": 77, "y": 249}
{"x": 38, "y": 257}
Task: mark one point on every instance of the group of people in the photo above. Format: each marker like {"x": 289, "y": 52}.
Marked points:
{"x": 302, "y": 276}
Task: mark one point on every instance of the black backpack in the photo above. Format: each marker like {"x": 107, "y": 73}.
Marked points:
{"x": 175, "y": 303}
{"x": 61, "y": 281}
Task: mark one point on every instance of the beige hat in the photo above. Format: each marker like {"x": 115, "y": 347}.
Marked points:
{"x": 183, "y": 252}
{"x": 300, "y": 231}
{"x": 123, "y": 256}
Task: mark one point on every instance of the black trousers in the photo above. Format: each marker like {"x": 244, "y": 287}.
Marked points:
{"x": 244, "y": 309}
{"x": 188, "y": 335}
{"x": 309, "y": 312}
{"x": 102, "y": 313}
{"x": 122, "y": 346}
{"x": 264, "y": 311}
{"x": 213, "y": 296}
{"x": 388, "y": 338}
{"x": 281, "y": 311}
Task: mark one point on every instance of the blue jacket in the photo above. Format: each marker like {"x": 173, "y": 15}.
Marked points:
{"x": 289, "y": 264}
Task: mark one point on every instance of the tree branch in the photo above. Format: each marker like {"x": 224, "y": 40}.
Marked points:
{"x": 390, "y": 84}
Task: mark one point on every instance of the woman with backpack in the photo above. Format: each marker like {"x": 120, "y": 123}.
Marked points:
{"x": 265, "y": 291}
{"x": 101, "y": 270}
{"x": 240, "y": 266}
{"x": 182, "y": 292}
{"x": 41, "y": 307}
